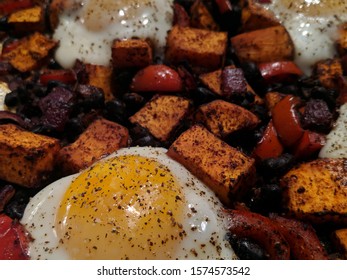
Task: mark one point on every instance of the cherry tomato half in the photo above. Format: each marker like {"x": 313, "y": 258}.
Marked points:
{"x": 157, "y": 78}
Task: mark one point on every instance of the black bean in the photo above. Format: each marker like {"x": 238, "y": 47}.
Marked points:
{"x": 115, "y": 110}
{"x": 202, "y": 95}
{"x": 133, "y": 102}
{"x": 11, "y": 99}
{"x": 254, "y": 77}
{"x": 73, "y": 128}
{"x": 272, "y": 167}
{"x": 246, "y": 249}
{"x": 4, "y": 24}
{"x": 90, "y": 97}
{"x": 147, "y": 140}
{"x": 266, "y": 198}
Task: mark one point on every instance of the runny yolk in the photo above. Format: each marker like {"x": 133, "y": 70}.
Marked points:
{"x": 128, "y": 207}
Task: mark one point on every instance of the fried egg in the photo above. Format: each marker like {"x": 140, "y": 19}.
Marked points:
{"x": 87, "y": 28}
{"x": 312, "y": 25}
{"x": 135, "y": 204}
{"x": 336, "y": 144}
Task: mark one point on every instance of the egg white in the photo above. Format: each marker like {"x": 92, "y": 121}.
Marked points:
{"x": 87, "y": 30}
{"x": 3, "y": 91}
{"x": 207, "y": 219}
{"x": 312, "y": 25}
{"x": 336, "y": 145}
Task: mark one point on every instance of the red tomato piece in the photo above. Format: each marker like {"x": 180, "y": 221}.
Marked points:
{"x": 269, "y": 146}
{"x": 9, "y": 6}
{"x": 260, "y": 229}
{"x": 224, "y": 6}
{"x": 286, "y": 120}
{"x": 61, "y": 75}
{"x": 310, "y": 143}
{"x": 157, "y": 78}
{"x": 13, "y": 240}
{"x": 302, "y": 238}
{"x": 275, "y": 72}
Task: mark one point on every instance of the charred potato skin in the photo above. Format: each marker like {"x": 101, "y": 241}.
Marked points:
{"x": 100, "y": 139}
{"x": 26, "y": 158}
{"x": 227, "y": 171}
{"x": 316, "y": 191}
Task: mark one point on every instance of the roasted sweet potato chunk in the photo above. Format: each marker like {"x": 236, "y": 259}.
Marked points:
{"x": 223, "y": 118}
{"x": 28, "y": 20}
{"x": 26, "y": 158}
{"x": 264, "y": 45}
{"x": 131, "y": 53}
{"x": 213, "y": 81}
{"x": 316, "y": 191}
{"x": 328, "y": 72}
{"x": 200, "y": 47}
{"x": 340, "y": 239}
{"x": 100, "y": 139}
{"x": 30, "y": 52}
{"x": 100, "y": 76}
{"x": 162, "y": 115}
{"x": 227, "y": 171}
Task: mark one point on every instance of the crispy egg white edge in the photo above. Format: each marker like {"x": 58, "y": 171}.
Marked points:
{"x": 46, "y": 238}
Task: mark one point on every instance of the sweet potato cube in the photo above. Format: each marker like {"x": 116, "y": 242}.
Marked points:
{"x": 26, "y": 158}
{"x": 201, "y": 17}
{"x": 272, "y": 98}
{"x": 328, "y": 72}
{"x": 316, "y": 191}
{"x": 162, "y": 115}
{"x": 131, "y": 53}
{"x": 30, "y": 52}
{"x": 100, "y": 76}
{"x": 213, "y": 81}
{"x": 223, "y": 118}
{"x": 340, "y": 240}
{"x": 255, "y": 16}
{"x": 28, "y": 20}
{"x": 264, "y": 45}
{"x": 100, "y": 139}
{"x": 201, "y": 48}
{"x": 227, "y": 171}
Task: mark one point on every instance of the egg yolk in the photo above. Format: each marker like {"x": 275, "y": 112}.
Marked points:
{"x": 315, "y": 7}
{"x": 128, "y": 207}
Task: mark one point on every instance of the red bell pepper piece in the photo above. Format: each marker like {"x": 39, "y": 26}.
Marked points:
{"x": 9, "y": 6}
{"x": 286, "y": 120}
{"x": 61, "y": 75}
{"x": 181, "y": 17}
{"x": 224, "y": 6}
{"x": 310, "y": 143}
{"x": 13, "y": 240}
{"x": 303, "y": 241}
{"x": 157, "y": 78}
{"x": 245, "y": 224}
{"x": 276, "y": 72}
{"x": 269, "y": 146}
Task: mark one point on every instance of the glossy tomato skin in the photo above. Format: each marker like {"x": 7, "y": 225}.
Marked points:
{"x": 13, "y": 240}
{"x": 276, "y": 72}
{"x": 269, "y": 146}
{"x": 157, "y": 78}
{"x": 286, "y": 121}
{"x": 310, "y": 143}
